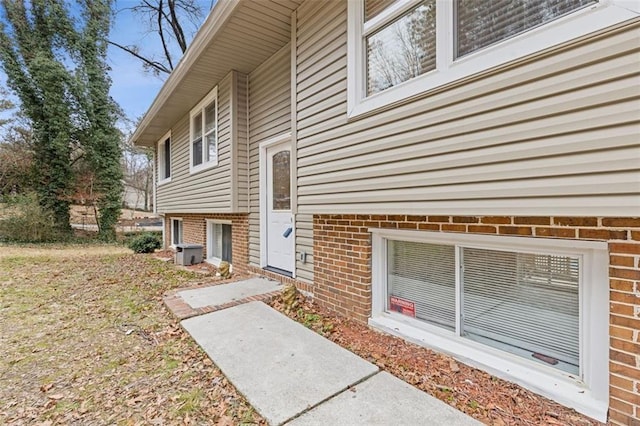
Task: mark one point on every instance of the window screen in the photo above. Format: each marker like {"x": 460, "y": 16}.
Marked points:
{"x": 421, "y": 279}
{"x": 523, "y": 303}
{"x": 176, "y": 230}
{"x": 221, "y": 246}
{"x": 166, "y": 159}
{"x": 481, "y": 23}
{"x": 404, "y": 49}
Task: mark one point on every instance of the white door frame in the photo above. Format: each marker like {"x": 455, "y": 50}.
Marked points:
{"x": 283, "y": 139}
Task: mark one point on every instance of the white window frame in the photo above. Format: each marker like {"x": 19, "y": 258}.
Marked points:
{"x": 210, "y": 222}
{"x": 161, "y": 160}
{"x": 173, "y": 220}
{"x": 588, "y": 393}
{"x": 448, "y": 70}
{"x": 196, "y": 117}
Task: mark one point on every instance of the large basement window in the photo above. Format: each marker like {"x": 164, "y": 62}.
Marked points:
{"x": 219, "y": 242}
{"x": 398, "y": 49}
{"x": 529, "y": 303}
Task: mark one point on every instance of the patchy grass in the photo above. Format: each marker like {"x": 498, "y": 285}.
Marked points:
{"x": 85, "y": 339}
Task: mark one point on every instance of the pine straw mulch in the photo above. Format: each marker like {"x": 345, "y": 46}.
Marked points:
{"x": 485, "y": 397}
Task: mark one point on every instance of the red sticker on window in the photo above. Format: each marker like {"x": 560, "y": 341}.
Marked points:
{"x": 402, "y": 306}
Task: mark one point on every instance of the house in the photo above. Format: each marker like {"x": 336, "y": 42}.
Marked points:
{"x": 462, "y": 174}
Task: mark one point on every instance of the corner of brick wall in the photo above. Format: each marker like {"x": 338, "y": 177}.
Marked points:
{"x": 194, "y": 228}
{"x": 342, "y": 265}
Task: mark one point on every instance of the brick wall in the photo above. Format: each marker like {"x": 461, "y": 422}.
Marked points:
{"x": 194, "y": 228}
{"x": 342, "y": 268}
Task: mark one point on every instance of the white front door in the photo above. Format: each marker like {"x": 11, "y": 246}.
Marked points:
{"x": 280, "y": 238}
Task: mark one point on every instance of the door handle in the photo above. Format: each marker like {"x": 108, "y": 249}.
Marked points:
{"x": 287, "y": 232}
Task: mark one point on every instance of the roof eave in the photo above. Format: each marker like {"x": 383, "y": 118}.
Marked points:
{"x": 214, "y": 23}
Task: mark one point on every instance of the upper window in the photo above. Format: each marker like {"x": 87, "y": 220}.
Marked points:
{"x": 400, "y": 48}
{"x": 204, "y": 133}
{"x": 164, "y": 158}
{"x": 403, "y": 49}
{"x": 478, "y": 26}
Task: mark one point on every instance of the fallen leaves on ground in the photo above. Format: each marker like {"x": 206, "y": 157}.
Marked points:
{"x": 485, "y": 397}
{"x": 85, "y": 339}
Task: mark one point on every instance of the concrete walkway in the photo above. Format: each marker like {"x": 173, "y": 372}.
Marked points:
{"x": 292, "y": 375}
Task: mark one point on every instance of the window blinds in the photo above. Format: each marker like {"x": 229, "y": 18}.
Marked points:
{"x": 424, "y": 274}
{"x": 481, "y": 23}
{"x": 523, "y": 303}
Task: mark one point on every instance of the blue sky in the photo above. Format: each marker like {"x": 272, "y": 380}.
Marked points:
{"x": 134, "y": 88}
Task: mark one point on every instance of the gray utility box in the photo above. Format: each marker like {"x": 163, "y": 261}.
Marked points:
{"x": 188, "y": 254}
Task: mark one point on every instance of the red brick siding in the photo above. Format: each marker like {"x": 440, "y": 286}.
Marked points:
{"x": 194, "y": 227}
{"x": 342, "y": 270}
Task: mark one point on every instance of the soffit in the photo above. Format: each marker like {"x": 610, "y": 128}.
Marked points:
{"x": 237, "y": 35}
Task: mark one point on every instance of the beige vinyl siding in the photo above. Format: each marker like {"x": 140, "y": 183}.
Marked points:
{"x": 556, "y": 134}
{"x": 210, "y": 190}
{"x": 242, "y": 137}
{"x": 270, "y": 116}
{"x": 304, "y": 244}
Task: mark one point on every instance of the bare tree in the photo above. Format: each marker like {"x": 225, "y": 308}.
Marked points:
{"x": 168, "y": 20}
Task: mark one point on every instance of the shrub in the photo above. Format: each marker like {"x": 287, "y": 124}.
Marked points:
{"x": 23, "y": 221}
{"x": 145, "y": 243}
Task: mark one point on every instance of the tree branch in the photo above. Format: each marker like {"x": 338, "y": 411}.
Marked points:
{"x": 153, "y": 64}
{"x": 162, "y": 39}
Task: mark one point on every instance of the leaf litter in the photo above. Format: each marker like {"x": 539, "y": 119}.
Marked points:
{"x": 484, "y": 397}
{"x": 85, "y": 339}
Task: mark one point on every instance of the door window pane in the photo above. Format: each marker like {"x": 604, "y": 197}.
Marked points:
{"x": 402, "y": 50}
{"x": 481, "y": 23}
{"x": 281, "y": 181}
{"x": 523, "y": 303}
{"x": 421, "y": 281}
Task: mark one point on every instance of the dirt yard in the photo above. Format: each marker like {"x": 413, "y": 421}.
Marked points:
{"x": 85, "y": 339}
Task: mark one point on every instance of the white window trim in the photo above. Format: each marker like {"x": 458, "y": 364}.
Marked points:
{"x": 160, "y": 159}
{"x": 198, "y": 110}
{"x": 588, "y": 394}
{"x": 590, "y": 19}
{"x": 210, "y": 259}
{"x": 179, "y": 219}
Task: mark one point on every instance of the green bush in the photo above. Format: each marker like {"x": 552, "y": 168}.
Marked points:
{"x": 23, "y": 221}
{"x": 145, "y": 243}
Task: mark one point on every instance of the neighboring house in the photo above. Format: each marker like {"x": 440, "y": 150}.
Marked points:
{"x": 463, "y": 174}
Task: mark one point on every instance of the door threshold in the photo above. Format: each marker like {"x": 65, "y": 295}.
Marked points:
{"x": 278, "y": 271}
